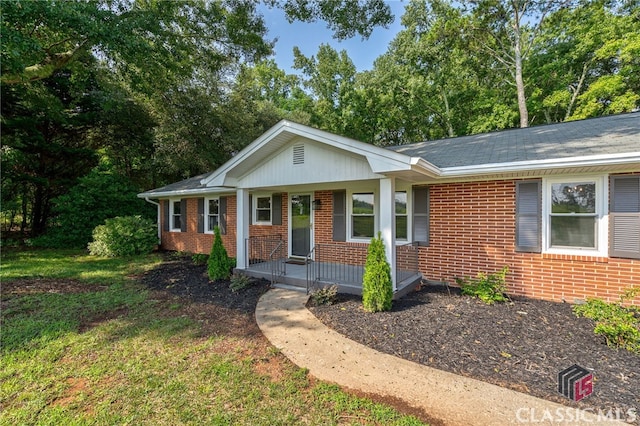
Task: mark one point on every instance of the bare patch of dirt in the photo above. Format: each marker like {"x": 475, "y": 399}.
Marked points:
{"x": 25, "y": 286}
{"x": 520, "y": 345}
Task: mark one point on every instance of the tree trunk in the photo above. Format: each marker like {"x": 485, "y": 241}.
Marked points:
{"x": 447, "y": 117}
{"x": 522, "y": 99}
{"x": 577, "y": 91}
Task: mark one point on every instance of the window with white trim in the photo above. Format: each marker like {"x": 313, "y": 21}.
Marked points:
{"x": 402, "y": 222}
{"x": 211, "y": 214}
{"x": 262, "y": 209}
{"x": 362, "y": 215}
{"x": 175, "y": 213}
{"x": 574, "y": 215}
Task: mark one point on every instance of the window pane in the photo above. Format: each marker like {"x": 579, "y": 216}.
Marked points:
{"x": 176, "y": 207}
{"x": 401, "y": 203}
{"x": 401, "y": 227}
{"x": 213, "y": 206}
{"x": 263, "y": 215}
{"x": 176, "y": 221}
{"x": 213, "y": 222}
{"x": 264, "y": 202}
{"x": 573, "y": 231}
{"x": 573, "y": 197}
{"x": 363, "y": 203}
{"x": 363, "y": 226}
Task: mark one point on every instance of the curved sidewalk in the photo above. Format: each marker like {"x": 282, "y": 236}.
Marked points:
{"x": 456, "y": 400}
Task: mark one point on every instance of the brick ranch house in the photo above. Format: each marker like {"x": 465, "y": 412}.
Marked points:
{"x": 558, "y": 204}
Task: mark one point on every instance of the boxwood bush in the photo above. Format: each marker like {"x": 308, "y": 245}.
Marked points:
{"x": 124, "y": 236}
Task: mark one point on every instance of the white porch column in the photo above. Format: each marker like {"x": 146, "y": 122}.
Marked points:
{"x": 388, "y": 222}
{"x": 242, "y": 226}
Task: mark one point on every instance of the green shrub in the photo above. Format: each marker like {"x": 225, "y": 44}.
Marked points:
{"x": 325, "y": 295}
{"x": 377, "y": 287}
{"x": 199, "y": 258}
{"x": 219, "y": 265}
{"x": 97, "y": 196}
{"x": 489, "y": 288}
{"x": 124, "y": 236}
{"x": 239, "y": 282}
{"x": 619, "y": 324}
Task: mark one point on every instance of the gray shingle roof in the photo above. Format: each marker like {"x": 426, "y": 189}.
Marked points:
{"x": 615, "y": 134}
{"x": 191, "y": 184}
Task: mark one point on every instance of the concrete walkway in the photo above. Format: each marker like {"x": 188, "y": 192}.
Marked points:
{"x": 456, "y": 400}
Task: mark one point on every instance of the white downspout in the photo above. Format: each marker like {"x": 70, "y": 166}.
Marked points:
{"x": 158, "y": 220}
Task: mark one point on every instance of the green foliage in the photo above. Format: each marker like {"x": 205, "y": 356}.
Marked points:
{"x": 199, "y": 258}
{"x": 489, "y": 288}
{"x": 219, "y": 265}
{"x": 325, "y": 295}
{"x": 98, "y": 196}
{"x": 124, "y": 236}
{"x": 377, "y": 287}
{"x": 617, "y": 322}
{"x": 239, "y": 282}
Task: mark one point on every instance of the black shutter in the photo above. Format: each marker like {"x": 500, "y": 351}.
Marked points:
{"x": 222, "y": 215}
{"x": 339, "y": 215}
{"x": 200, "y": 215}
{"x": 276, "y": 209}
{"x": 624, "y": 217}
{"x": 421, "y": 215}
{"x": 250, "y": 209}
{"x": 529, "y": 216}
{"x": 165, "y": 213}
{"x": 183, "y": 215}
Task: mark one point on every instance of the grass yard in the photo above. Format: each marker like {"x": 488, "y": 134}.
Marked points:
{"x": 83, "y": 342}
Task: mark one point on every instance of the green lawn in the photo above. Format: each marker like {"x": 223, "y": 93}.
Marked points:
{"x": 105, "y": 352}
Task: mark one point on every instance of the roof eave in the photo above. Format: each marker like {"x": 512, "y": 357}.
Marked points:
{"x": 183, "y": 192}
{"x": 529, "y": 166}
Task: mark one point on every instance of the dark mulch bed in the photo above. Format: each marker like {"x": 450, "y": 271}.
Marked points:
{"x": 520, "y": 345}
{"x": 186, "y": 288}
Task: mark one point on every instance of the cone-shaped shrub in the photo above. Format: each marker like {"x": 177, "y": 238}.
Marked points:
{"x": 218, "y": 265}
{"x": 377, "y": 288}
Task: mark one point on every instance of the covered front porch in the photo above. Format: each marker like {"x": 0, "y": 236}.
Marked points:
{"x": 340, "y": 264}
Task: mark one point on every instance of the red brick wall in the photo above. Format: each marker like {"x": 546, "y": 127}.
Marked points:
{"x": 193, "y": 242}
{"x": 473, "y": 230}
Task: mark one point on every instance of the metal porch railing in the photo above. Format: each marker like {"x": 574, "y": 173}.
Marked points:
{"x": 407, "y": 262}
{"x": 267, "y": 253}
{"x": 341, "y": 264}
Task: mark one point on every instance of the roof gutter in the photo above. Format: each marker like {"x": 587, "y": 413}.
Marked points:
{"x": 184, "y": 192}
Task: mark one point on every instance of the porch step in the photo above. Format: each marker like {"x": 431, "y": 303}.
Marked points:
{"x": 290, "y": 287}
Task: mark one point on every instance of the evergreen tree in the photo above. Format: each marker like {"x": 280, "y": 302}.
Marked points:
{"x": 218, "y": 265}
{"x": 377, "y": 287}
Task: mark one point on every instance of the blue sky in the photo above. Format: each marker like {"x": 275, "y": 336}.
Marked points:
{"x": 308, "y": 38}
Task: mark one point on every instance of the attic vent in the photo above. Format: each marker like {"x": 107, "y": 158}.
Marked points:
{"x": 298, "y": 154}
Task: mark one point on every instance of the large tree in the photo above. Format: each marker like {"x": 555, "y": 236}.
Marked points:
{"x": 505, "y": 31}
{"x": 330, "y": 77}
{"x": 585, "y": 62}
